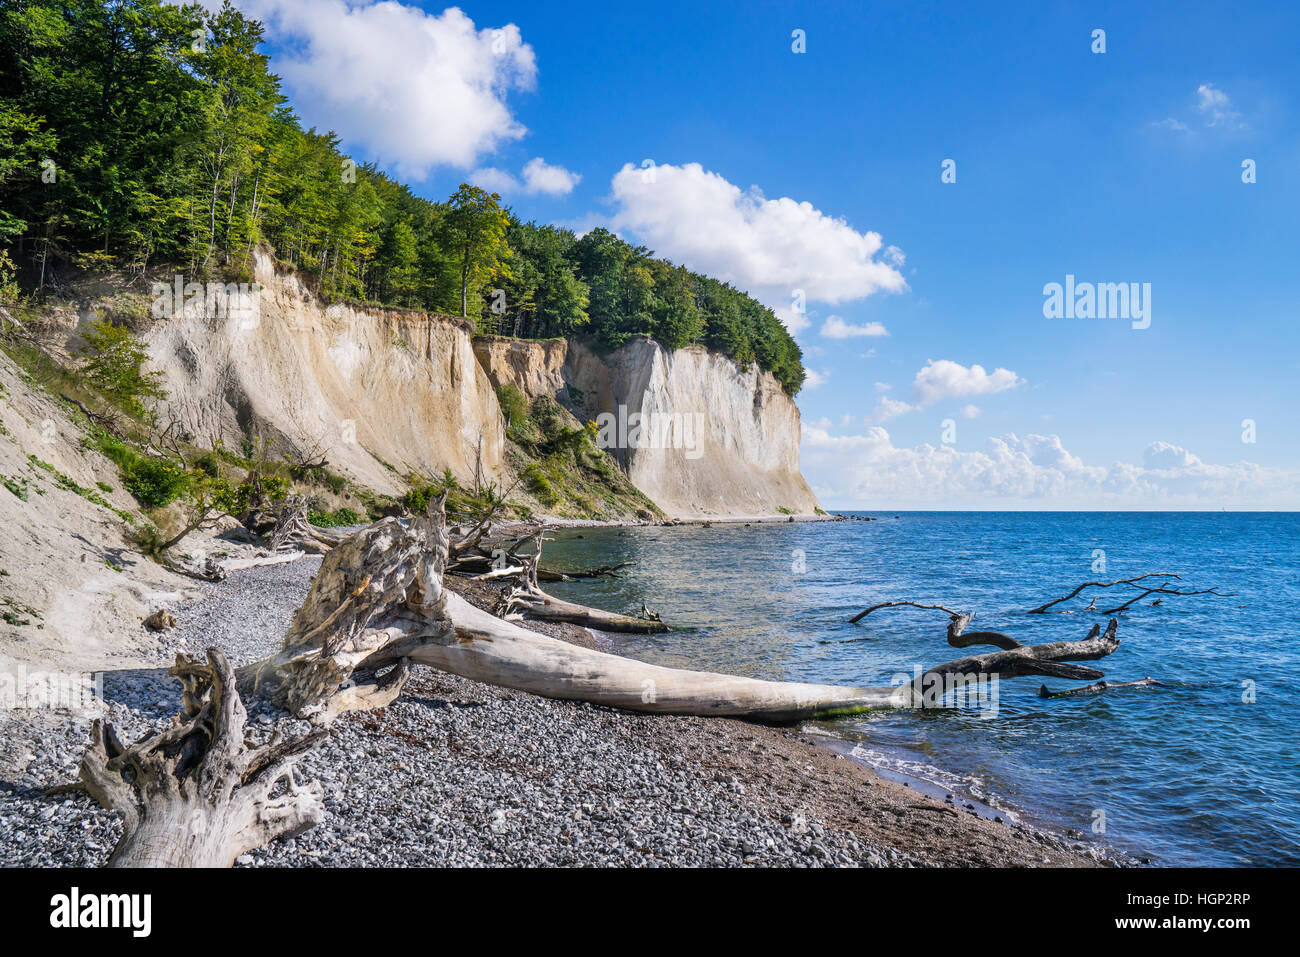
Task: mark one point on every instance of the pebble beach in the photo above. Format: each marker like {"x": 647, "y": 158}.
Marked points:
{"x": 458, "y": 773}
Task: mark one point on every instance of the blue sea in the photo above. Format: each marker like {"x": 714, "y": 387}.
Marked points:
{"x": 1204, "y": 770}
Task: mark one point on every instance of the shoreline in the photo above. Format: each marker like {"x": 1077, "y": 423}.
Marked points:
{"x": 555, "y": 521}
{"x": 461, "y": 773}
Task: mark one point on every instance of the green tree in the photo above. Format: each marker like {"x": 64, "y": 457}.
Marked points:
{"x": 241, "y": 97}
{"x": 114, "y": 364}
{"x": 401, "y": 259}
{"x": 475, "y": 229}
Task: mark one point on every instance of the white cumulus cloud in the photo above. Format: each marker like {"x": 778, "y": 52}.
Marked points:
{"x": 494, "y": 180}
{"x": 946, "y": 379}
{"x": 402, "y": 86}
{"x": 836, "y": 328}
{"x": 771, "y": 248}
{"x": 539, "y": 176}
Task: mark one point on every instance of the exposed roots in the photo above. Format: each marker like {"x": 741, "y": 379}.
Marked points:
{"x": 197, "y": 794}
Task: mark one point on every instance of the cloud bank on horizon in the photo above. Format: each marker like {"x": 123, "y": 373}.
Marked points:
{"x": 866, "y": 470}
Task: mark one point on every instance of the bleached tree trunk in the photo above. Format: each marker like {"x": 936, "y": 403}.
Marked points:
{"x": 527, "y": 600}
{"x": 198, "y": 795}
{"x": 378, "y": 605}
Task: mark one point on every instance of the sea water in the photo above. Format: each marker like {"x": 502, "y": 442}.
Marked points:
{"x": 1204, "y": 769}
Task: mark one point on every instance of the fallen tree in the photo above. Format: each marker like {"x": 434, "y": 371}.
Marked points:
{"x": 601, "y": 571}
{"x": 379, "y": 605}
{"x": 294, "y": 533}
{"x": 197, "y": 794}
{"x": 526, "y": 599}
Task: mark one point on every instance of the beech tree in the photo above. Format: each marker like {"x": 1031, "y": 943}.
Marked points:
{"x": 475, "y": 230}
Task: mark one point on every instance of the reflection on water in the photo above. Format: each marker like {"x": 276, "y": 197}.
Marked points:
{"x": 1185, "y": 774}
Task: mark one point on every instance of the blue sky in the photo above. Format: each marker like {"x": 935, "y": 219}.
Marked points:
{"x": 821, "y": 171}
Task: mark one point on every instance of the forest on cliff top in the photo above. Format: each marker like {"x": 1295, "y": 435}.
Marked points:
{"x": 138, "y": 135}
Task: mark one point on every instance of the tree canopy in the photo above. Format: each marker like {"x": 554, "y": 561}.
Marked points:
{"x": 140, "y": 134}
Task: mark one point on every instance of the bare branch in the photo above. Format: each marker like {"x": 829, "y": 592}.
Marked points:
{"x": 895, "y": 604}
{"x": 1119, "y": 581}
{"x": 1164, "y": 591}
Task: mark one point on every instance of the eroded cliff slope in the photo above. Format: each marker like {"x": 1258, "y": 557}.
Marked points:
{"x": 378, "y": 392}
{"x": 698, "y": 435}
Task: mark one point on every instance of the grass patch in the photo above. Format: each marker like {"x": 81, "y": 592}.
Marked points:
{"x": 335, "y": 519}
{"x": 154, "y": 482}
{"x": 19, "y": 486}
{"x": 68, "y": 484}
{"x": 16, "y": 613}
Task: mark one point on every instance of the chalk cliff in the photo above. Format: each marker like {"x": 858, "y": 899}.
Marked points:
{"x": 374, "y": 390}
{"x": 693, "y": 431}
{"x": 383, "y": 392}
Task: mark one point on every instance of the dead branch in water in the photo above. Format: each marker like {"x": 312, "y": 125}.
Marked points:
{"x": 198, "y": 794}
{"x": 1163, "y": 591}
{"x": 528, "y": 600}
{"x": 1099, "y": 686}
{"x": 379, "y": 605}
{"x": 1119, "y": 581}
{"x": 895, "y": 604}
{"x": 1145, "y": 590}
{"x": 603, "y": 571}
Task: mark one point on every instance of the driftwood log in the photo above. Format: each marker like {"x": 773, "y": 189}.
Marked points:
{"x": 197, "y": 795}
{"x": 379, "y": 605}
{"x": 601, "y": 571}
{"x": 293, "y": 533}
{"x": 526, "y": 599}
{"x": 1100, "y": 686}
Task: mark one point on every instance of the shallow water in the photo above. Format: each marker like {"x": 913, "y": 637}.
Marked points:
{"x": 1188, "y": 774}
